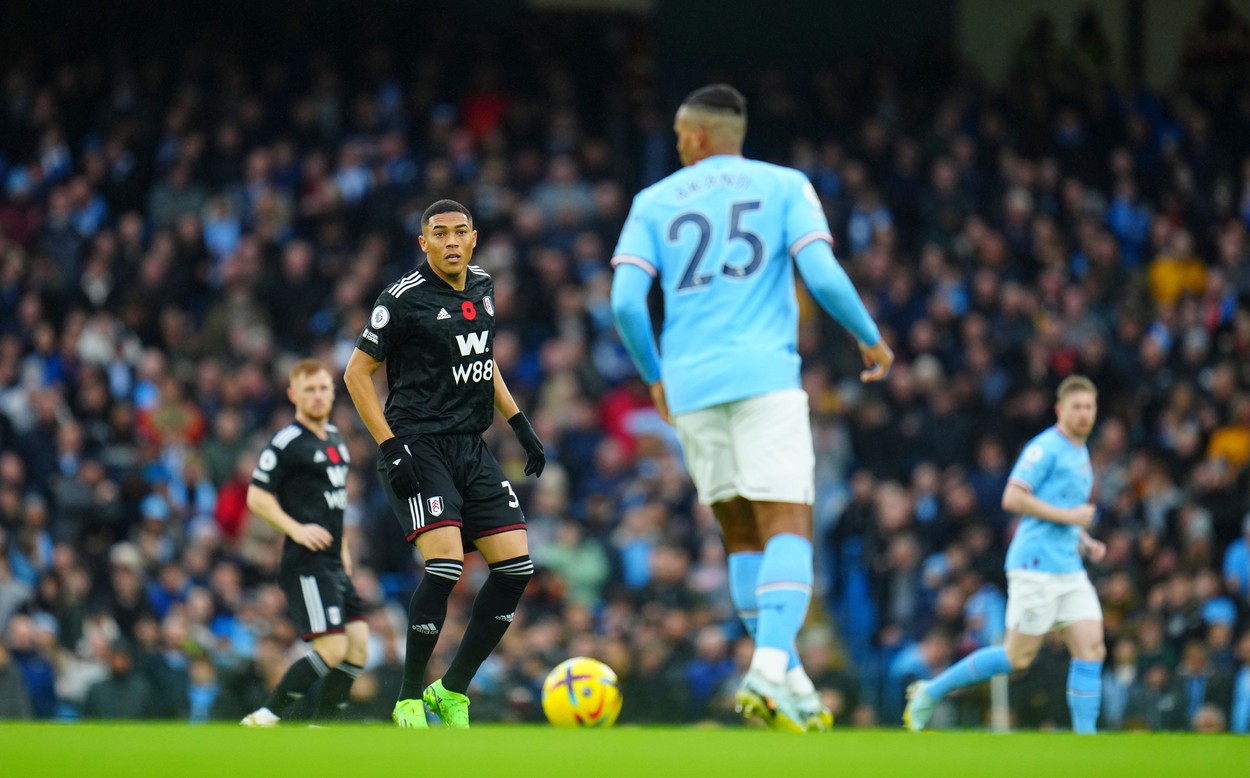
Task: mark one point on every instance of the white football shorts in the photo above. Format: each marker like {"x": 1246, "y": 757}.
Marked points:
{"x": 1040, "y": 602}
{"x": 759, "y": 448}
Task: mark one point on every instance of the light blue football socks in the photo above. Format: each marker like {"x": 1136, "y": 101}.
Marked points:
{"x": 744, "y": 572}
{"x": 1084, "y": 695}
{"x": 980, "y": 665}
{"x": 783, "y": 591}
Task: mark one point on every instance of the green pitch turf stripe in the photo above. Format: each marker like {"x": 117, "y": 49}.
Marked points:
{"x": 228, "y": 751}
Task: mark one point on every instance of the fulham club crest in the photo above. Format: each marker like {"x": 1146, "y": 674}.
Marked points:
{"x": 436, "y": 505}
{"x": 488, "y": 305}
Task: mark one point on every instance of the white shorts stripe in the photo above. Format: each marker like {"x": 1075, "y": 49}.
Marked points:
{"x": 312, "y": 603}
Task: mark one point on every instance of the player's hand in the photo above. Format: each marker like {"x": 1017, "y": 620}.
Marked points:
{"x": 1094, "y": 550}
{"x": 313, "y": 537}
{"x": 877, "y": 359}
{"x": 660, "y": 400}
{"x": 535, "y": 459}
{"x": 1082, "y": 515}
{"x": 401, "y": 471}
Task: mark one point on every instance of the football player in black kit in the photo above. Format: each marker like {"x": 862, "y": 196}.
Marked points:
{"x": 434, "y": 328}
{"x": 299, "y": 487}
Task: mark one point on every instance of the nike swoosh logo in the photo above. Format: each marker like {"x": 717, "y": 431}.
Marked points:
{"x": 397, "y": 461}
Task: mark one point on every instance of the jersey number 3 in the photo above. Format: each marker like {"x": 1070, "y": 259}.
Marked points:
{"x": 692, "y": 278}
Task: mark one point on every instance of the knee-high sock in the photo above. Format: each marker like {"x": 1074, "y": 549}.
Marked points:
{"x": 426, "y": 613}
{"x": 491, "y": 617}
{"x": 978, "y": 666}
{"x": 298, "y": 679}
{"x": 744, "y": 573}
{"x": 1084, "y": 695}
{"x": 336, "y": 688}
{"x": 783, "y": 591}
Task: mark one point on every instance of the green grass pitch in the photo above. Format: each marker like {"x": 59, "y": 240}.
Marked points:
{"x": 224, "y": 751}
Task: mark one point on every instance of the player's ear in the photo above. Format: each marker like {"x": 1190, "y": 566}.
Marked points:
{"x": 290, "y": 394}
{"x": 473, "y": 240}
{"x": 705, "y": 138}
{"x": 421, "y": 243}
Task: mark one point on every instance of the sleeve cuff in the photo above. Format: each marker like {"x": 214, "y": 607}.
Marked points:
{"x": 809, "y": 239}
{"x": 1025, "y": 485}
{"x": 633, "y": 259}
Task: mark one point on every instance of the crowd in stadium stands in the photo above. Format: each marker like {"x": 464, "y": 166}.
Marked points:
{"x": 174, "y": 232}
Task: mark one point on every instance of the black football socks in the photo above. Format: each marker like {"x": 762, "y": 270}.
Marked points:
{"x": 426, "y": 613}
{"x": 492, "y": 615}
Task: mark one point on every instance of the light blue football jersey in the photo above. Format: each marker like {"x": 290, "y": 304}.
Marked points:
{"x": 721, "y": 235}
{"x": 1058, "y": 472}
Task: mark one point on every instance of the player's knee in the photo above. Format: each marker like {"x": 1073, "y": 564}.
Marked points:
{"x": 332, "y": 652}
{"x": 358, "y": 647}
{"x": 1095, "y": 652}
{"x": 1021, "y": 659}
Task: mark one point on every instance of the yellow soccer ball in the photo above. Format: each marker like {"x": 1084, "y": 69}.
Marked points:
{"x": 581, "y": 692}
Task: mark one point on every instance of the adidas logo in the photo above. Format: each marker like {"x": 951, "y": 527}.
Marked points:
{"x": 506, "y": 617}
{"x": 319, "y": 457}
{"x": 426, "y": 629}
{"x": 442, "y": 314}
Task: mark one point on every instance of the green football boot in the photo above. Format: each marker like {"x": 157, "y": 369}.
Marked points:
{"x": 410, "y": 714}
{"x": 759, "y": 699}
{"x": 816, "y": 717}
{"x": 451, "y": 707}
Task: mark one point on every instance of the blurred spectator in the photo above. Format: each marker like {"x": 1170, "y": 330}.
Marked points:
{"x": 1237, "y": 564}
{"x": 35, "y": 664}
{"x": 1202, "y": 684}
{"x": 125, "y": 694}
{"x": 14, "y": 702}
{"x": 579, "y": 561}
{"x": 1119, "y": 678}
{"x": 1240, "y": 718}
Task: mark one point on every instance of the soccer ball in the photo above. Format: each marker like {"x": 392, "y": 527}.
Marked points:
{"x": 581, "y": 692}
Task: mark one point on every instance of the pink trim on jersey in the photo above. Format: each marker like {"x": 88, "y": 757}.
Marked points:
{"x": 631, "y": 259}
{"x": 809, "y": 239}
{"x": 1024, "y": 484}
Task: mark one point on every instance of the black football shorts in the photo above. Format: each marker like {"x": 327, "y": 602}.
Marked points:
{"x": 322, "y": 602}
{"x": 462, "y": 485}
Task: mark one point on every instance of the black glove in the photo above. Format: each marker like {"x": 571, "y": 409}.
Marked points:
{"x": 535, "y": 459}
{"x": 401, "y": 471}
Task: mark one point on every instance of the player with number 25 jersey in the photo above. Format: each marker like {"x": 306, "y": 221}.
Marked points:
{"x": 723, "y": 236}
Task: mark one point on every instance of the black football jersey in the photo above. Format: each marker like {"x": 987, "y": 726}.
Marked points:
{"x": 308, "y": 475}
{"x": 436, "y": 343}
